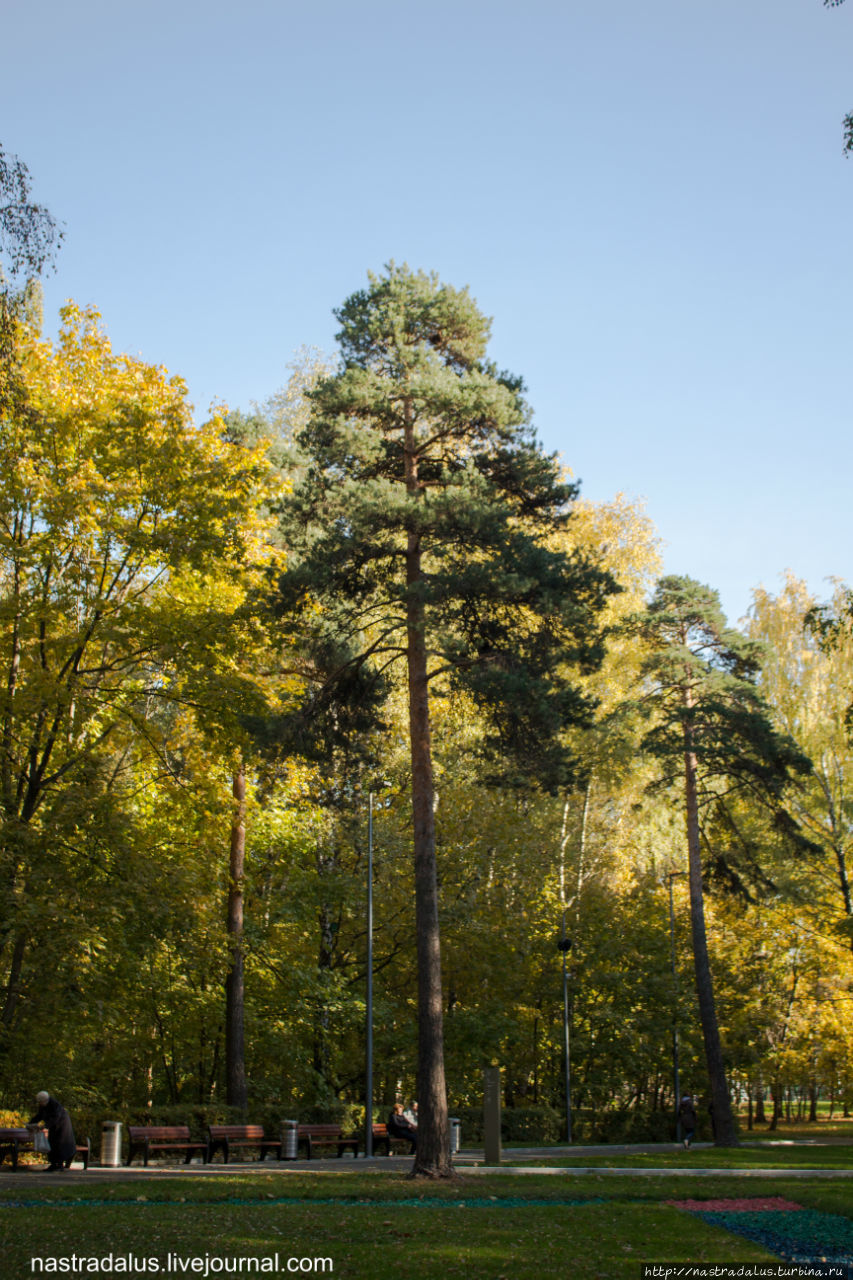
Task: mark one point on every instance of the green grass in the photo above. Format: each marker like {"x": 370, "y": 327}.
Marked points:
{"x": 379, "y": 1224}
{"x": 836, "y": 1130}
{"x": 746, "y": 1156}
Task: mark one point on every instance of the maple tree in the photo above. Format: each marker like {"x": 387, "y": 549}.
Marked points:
{"x": 128, "y": 538}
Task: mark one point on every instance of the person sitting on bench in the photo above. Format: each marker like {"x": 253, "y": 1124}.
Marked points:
{"x": 400, "y": 1127}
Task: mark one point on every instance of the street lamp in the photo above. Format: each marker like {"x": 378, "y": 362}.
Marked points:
{"x": 564, "y": 944}
{"x": 368, "y": 1064}
{"x": 677, "y": 1084}
{"x": 368, "y": 1111}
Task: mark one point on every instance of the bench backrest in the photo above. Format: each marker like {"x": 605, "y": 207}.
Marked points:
{"x": 15, "y": 1135}
{"x": 159, "y": 1132}
{"x": 250, "y": 1132}
{"x": 319, "y": 1131}
{"x": 380, "y": 1131}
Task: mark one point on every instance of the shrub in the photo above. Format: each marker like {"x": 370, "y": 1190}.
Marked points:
{"x": 531, "y": 1125}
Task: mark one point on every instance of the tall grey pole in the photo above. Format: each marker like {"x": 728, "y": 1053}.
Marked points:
{"x": 676, "y": 1081}
{"x": 368, "y": 1119}
{"x": 565, "y": 947}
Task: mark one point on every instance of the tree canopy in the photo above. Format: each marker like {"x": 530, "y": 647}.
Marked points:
{"x": 220, "y": 637}
{"x": 29, "y": 233}
{"x": 127, "y": 538}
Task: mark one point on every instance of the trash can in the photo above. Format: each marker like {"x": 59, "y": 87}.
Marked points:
{"x": 289, "y": 1139}
{"x": 455, "y": 1134}
{"x": 111, "y": 1144}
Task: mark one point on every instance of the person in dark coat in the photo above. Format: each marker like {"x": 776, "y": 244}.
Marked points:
{"x": 52, "y": 1116}
{"x": 400, "y": 1127}
{"x": 687, "y": 1116}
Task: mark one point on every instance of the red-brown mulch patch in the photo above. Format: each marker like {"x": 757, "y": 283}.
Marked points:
{"x": 744, "y": 1205}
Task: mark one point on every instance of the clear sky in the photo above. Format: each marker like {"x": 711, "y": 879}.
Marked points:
{"x": 650, "y": 199}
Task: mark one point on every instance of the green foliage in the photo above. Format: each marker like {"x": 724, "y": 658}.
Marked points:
{"x": 29, "y": 234}
{"x": 808, "y": 680}
{"x": 704, "y": 677}
{"x": 713, "y": 729}
{"x": 128, "y": 539}
{"x": 629, "y": 1125}
{"x": 112, "y": 926}
{"x": 848, "y": 133}
{"x": 848, "y": 119}
{"x": 419, "y": 438}
{"x": 532, "y": 1126}
{"x": 703, "y": 689}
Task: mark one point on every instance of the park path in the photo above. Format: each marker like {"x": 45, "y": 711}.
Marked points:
{"x": 516, "y": 1160}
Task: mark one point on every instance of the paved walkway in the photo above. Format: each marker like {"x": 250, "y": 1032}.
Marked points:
{"x": 468, "y": 1161}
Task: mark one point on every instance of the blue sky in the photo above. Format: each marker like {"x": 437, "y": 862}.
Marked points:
{"x": 650, "y": 200}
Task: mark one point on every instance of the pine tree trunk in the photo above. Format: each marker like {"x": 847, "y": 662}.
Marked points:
{"x": 432, "y": 1158}
{"x": 235, "y": 1054}
{"x": 725, "y": 1133}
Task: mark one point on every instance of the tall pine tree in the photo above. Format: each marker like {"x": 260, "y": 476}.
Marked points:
{"x": 714, "y": 730}
{"x": 420, "y": 524}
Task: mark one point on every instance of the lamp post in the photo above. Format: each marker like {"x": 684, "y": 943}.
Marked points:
{"x": 368, "y": 1110}
{"x": 565, "y": 945}
{"x": 676, "y": 1081}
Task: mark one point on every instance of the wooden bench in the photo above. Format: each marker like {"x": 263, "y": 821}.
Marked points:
{"x": 381, "y": 1137}
{"x": 228, "y": 1136}
{"x": 148, "y": 1138}
{"x": 14, "y": 1141}
{"x": 324, "y": 1135}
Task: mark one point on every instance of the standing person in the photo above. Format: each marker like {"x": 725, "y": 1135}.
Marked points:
{"x": 687, "y": 1116}
{"x": 60, "y": 1134}
{"x": 400, "y": 1127}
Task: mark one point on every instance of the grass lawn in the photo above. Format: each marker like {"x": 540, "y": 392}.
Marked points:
{"x": 757, "y": 1155}
{"x": 377, "y": 1224}
{"x": 836, "y": 1130}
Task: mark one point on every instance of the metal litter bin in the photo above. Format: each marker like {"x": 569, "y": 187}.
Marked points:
{"x": 111, "y": 1144}
{"x": 289, "y": 1139}
{"x": 455, "y": 1134}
